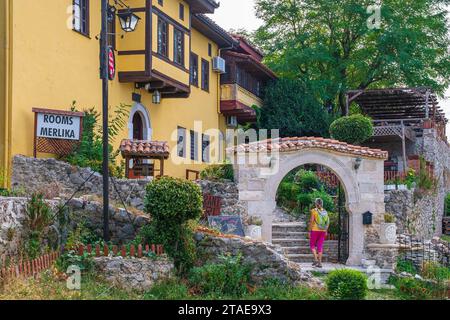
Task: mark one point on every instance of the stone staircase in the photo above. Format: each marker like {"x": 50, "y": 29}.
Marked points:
{"x": 292, "y": 237}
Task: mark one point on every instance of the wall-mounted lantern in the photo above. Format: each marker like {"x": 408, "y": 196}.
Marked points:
{"x": 128, "y": 20}
{"x": 367, "y": 218}
{"x": 156, "y": 97}
{"x": 357, "y": 163}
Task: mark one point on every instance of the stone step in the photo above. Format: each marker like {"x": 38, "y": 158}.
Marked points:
{"x": 289, "y": 227}
{"x": 297, "y": 250}
{"x": 304, "y": 257}
{"x": 290, "y": 242}
{"x": 289, "y": 234}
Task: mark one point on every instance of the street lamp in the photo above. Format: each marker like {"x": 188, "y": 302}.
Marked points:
{"x": 128, "y": 20}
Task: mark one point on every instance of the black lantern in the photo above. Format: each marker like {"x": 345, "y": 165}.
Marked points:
{"x": 156, "y": 98}
{"x": 128, "y": 20}
{"x": 367, "y": 218}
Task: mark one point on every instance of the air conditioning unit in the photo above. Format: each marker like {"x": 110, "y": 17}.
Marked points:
{"x": 218, "y": 65}
{"x": 232, "y": 121}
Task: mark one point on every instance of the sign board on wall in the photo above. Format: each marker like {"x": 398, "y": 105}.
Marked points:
{"x": 58, "y": 126}
{"x": 56, "y": 131}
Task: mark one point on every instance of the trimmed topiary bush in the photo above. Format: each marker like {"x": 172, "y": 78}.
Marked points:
{"x": 173, "y": 204}
{"x": 171, "y": 199}
{"x": 347, "y": 284}
{"x": 353, "y": 129}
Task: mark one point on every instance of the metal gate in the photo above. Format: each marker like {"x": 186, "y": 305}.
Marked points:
{"x": 343, "y": 222}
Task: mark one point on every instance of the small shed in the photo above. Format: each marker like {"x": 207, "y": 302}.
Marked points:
{"x": 141, "y": 157}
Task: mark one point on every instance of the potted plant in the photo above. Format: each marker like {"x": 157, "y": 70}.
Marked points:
{"x": 388, "y": 229}
{"x": 253, "y": 229}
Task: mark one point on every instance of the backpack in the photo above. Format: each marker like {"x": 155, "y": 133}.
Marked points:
{"x": 322, "y": 220}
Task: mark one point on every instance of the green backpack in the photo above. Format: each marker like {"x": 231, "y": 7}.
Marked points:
{"x": 322, "y": 220}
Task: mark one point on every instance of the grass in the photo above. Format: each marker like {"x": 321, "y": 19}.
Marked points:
{"x": 445, "y": 237}
{"x": 49, "y": 287}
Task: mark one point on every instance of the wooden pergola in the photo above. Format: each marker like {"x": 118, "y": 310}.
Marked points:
{"x": 400, "y": 112}
{"x": 139, "y": 152}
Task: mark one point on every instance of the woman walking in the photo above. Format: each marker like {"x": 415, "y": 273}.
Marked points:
{"x": 318, "y": 227}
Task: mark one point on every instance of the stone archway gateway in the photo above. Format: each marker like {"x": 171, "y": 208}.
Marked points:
{"x": 260, "y": 167}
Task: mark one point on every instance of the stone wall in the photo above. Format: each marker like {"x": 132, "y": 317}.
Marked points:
{"x": 229, "y": 193}
{"x": 123, "y": 226}
{"x": 132, "y": 273}
{"x": 437, "y": 151}
{"x": 417, "y": 213}
{"x": 57, "y": 178}
{"x": 265, "y": 259}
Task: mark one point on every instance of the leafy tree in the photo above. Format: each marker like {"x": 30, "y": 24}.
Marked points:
{"x": 289, "y": 107}
{"x": 330, "y": 45}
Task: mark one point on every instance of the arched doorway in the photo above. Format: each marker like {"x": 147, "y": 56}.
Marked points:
{"x": 139, "y": 124}
{"x": 139, "y": 128}
{"x": 295, "y": 199}
{"x": 360, "y": 169}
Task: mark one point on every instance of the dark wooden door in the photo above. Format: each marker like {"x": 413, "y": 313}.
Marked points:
{"x": 138, "y": 127}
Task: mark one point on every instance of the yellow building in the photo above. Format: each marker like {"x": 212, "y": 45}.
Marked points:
{"x": 49, "y": 57}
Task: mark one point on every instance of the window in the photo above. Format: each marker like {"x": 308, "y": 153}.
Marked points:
{"x": 209, "y": 49}
{"x": 178, "y": 52}
{"x": 194, "y": 69}
{"x": 81, "y": 16}
{"x": 181, "y": 11}
{"x": 205, "y": 75}
{"x": 112, "y": 31}
{"x": 161, "y": 2}
{"x": 206, "y": 142}
{"x": 162, "y": 37}
{"x": 181, "y": 142}
{"x": 194, "y": 145}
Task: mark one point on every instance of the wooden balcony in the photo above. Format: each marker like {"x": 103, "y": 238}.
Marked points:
{"x": 236, "y": 101}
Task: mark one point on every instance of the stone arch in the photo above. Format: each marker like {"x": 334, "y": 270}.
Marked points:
{"x": 364, "y": 186}
{"x": 143, "y": 112}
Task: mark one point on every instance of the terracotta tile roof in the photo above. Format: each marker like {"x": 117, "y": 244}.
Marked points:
{"x": 296, "y": 143}
{"x": 143, "y": 148}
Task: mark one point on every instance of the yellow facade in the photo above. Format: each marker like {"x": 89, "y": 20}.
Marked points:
{"x": 49, "y": 65}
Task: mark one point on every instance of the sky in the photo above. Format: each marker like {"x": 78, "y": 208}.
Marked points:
{"x": 238, "y": 14}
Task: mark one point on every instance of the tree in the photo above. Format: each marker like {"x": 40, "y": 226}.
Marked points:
{"x": 334, "y": 46}
{"x": 289, "y": 107}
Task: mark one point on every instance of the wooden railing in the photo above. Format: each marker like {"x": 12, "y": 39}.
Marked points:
{"x": 391, "y": 176}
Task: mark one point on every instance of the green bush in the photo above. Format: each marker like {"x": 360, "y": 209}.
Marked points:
{"x": 229, "y": 277}
{"x": 307, "y": 180}
{"x": 173, "y": 200}
{"x": 39, "y": 216}
{"x": 406, "y": 266}
{"x": 171, "y": 289}
{"x": 412, "y": 289}
{"x": 347, "y": 284}
{"x": 288, "y": 191}
{"x": 218, "y": 172}
{"x": 434, "y": 271}
{"x": 172, "y": 204}
{"x": 71, "y": 257}
{"x": 353, "y": 129}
